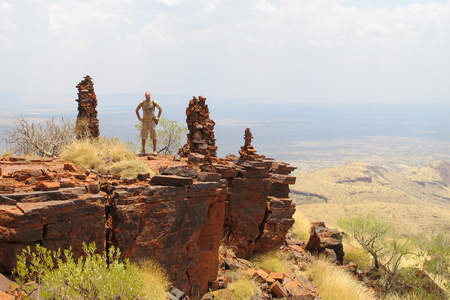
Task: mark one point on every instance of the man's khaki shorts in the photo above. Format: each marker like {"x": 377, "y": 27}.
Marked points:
{"x": 146, "y": 127}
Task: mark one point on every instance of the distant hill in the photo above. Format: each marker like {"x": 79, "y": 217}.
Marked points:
{"x": 416, "y": 203}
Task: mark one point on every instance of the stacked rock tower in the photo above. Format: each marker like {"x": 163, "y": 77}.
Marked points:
{"x": 247, "y": 151}
{"x": 200, "y": 138}
{"x": 87, "y": 122}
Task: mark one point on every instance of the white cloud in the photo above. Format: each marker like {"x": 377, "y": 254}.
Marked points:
{"x": 296, "y": 49}
{"x": 7, "y": 27}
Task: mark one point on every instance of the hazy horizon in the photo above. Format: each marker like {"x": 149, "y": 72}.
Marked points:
{"x": 307, "y": 135}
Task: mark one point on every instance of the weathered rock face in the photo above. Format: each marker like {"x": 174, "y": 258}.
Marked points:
{"x": 87, "y": 109}
{"x": 325, "y": 240}
{"x": 53, "y": 224}
{"x": 200, "y": 138}
{"x": 179, "y": 226}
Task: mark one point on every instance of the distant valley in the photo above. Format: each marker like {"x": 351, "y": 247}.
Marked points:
{"x": 418, "y": 203}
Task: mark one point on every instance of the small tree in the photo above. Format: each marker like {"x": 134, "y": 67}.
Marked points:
{"x": 169, "y": 135}
{"x": 380, "y": 241}
{"x": 42, "y": 139}
{"x": 370, "y": 233}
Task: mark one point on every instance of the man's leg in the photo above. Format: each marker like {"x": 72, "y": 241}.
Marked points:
{"x": 154, "y": 146}
{"x": 143, "y": 146}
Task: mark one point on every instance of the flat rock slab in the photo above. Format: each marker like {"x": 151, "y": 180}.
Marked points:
{"x": 171, "y": 180}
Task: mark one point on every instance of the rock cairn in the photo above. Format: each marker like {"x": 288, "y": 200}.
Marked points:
{"x": 247, "y": 151}
{"x": 87, "y": 122}
{"x": 200, "y": 138}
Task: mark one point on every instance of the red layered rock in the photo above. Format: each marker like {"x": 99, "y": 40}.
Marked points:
{"x": 53, "y": 224}
{"x": 325, "y": 240}
{"x": 259, "y": 212}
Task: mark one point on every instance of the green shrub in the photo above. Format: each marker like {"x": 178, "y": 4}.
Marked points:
{"x": 95, "y": 276}
{"x": 129, "y": 168}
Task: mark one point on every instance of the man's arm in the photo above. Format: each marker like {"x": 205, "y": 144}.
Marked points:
{"x": 159, "y": 110}
{"x": 137, "y": 111}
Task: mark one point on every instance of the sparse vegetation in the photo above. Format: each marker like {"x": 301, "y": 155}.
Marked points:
{"x": 430, "y": 277}
{"x": 95, "y": 276}
{"x": 47, "y": 139}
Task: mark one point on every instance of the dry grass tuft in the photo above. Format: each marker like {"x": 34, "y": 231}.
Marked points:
{"x": 156, "y": 280}
{"x": 269, "y": 261}
{"x": 95, "y": 153}
{"x": 241, "y": 286}
{"x": 83, "y": 153}
{"x": 302, "y": 226}
{"x": 129, "y": 168}
{"x": 336, "y": 284}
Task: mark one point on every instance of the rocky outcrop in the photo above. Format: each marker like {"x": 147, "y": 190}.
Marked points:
{"x": 87, "y": 122}
{"x": 178, "y": 217}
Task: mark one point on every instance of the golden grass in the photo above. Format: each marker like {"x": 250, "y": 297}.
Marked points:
{"x": 156, "y": 280}
{"x": 83, "y": 153}
{"x": 97, "y": 153}
{"x": 302, "y": 226}
{"x": 114, "y": 149}
{"x": 336, "y": 284}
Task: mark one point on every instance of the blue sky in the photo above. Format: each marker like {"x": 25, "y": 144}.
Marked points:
{"x": 320, "y": 51}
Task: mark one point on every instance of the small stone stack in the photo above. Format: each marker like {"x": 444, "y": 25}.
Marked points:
{"x": 87, "y": 122}
{"x": 247, "y": 151}
{"x": 200, "y": 138}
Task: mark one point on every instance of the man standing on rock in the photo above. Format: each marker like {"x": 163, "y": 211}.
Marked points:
{"x": 148, "y": 120}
